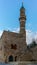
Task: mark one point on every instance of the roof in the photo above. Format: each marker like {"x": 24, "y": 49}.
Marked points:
{"x": 9, "y": 34}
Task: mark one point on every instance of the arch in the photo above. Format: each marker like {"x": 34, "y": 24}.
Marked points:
{"x": 10, "y": 58}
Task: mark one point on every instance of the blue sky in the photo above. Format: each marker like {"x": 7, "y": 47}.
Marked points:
{"x": 10, "y": 13}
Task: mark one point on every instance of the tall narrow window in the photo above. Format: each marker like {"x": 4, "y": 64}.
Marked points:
{"x": 15, "y": 58}
{"x": 15, "y": 46}
{"x": 11, "y": 46}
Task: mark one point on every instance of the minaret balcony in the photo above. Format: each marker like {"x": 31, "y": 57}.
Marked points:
{"x": 22, "y": 18}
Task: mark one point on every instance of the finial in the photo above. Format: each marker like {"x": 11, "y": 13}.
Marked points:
{"x": 22, "y": 4}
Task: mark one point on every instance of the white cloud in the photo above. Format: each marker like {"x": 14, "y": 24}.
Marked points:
{"x": 29, "y": 36}
{"x": 16, "y": 30}
{"x": 29, "y": 24}
{"x": 35, "y": 36}
{"x": 1, "y": 32}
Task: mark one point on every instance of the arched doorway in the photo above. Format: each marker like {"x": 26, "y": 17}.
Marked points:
{"x": 10, "y": 58}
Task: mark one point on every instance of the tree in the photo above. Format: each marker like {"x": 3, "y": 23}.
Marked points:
{"x": 33, "y": 44}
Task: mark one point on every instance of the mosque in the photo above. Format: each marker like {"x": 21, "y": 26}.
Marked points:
{"x": 13, "y": 46}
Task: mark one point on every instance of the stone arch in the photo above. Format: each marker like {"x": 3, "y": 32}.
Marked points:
{"x": 10, "y": 58}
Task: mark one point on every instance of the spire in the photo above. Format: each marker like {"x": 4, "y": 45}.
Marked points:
{"x": 22, "y": 7}
{"x": 22, "y": 4}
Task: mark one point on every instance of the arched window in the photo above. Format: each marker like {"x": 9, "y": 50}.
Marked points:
{"x": 13, "y": 46}
{"x": 10, "y": 58}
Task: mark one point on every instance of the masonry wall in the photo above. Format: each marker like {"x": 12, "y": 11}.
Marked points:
{"x": 20, "y": 52}
{"x": 6, "y": 40}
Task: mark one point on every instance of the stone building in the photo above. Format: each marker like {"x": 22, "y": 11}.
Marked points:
{"x": 13, "y": 46}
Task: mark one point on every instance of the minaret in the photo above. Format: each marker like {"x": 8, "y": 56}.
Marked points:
{"x": 22, "y": 19}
